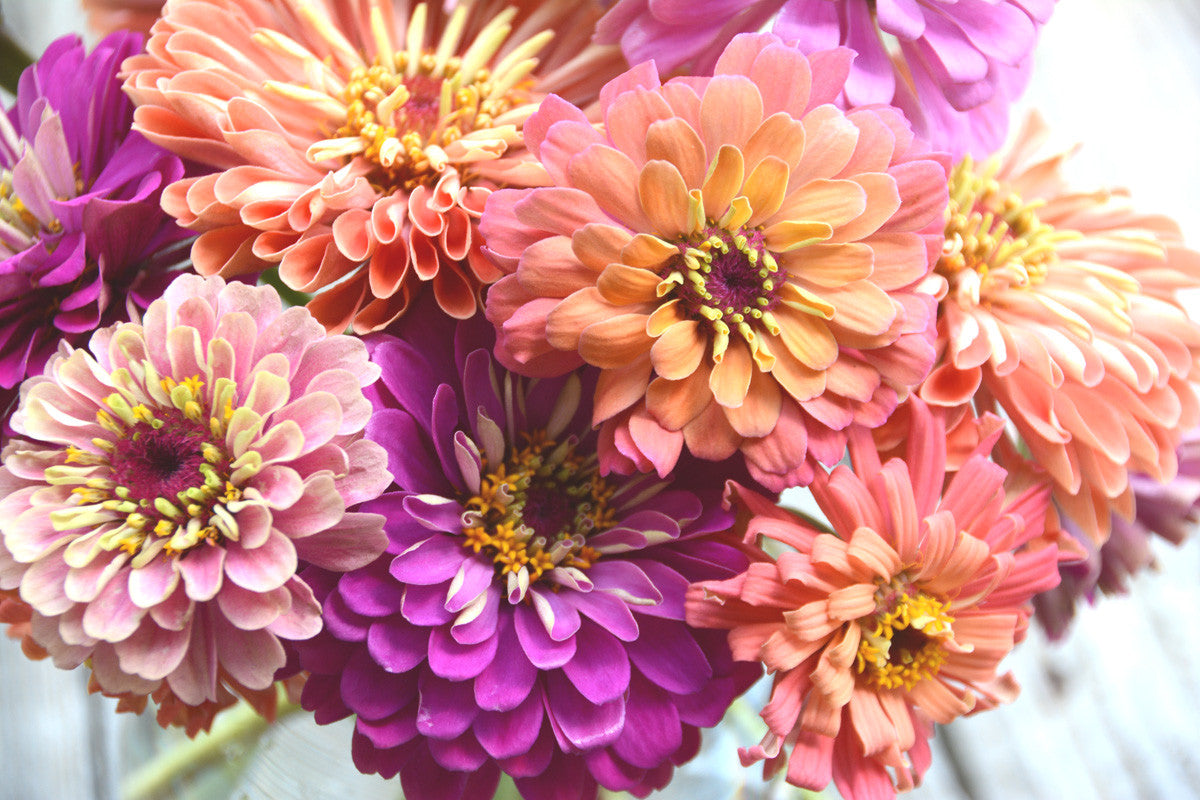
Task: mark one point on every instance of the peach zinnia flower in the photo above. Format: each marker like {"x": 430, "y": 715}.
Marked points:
{"x": 740, "y": 258}
{"x": 896, "y": 620}
{"x": 106, "y": 16}
{"x": 355, "y": 142}
{"x": 1061, "y": 314}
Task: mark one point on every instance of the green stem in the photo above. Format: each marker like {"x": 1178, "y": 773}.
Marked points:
{"x": 13, "y": 61}
{"x": 234, "y": 726}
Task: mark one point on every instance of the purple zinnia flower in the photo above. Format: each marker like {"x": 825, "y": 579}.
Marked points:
{"x": 955, "y": 67}
{"x": 1168, "y": 510}
{"x": 528, "y": 617}
{"x": 83, "y": 241}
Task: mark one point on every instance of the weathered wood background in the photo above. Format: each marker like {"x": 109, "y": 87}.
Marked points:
{"x": 1114, "y": 712}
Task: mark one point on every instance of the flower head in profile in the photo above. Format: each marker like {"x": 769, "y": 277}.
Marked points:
{"x": 896, "y": 618}
{"x": 1061, "y": 315}
{"x": 739, "y": 258}
{"x": 528, "y": 617}
{"x": 83, "y": 242}
{"x": 1169, "y": 511}
{"x": 954, "y": 66}
{"x": 353, "y": 143}
{"x": 170, "y": 482}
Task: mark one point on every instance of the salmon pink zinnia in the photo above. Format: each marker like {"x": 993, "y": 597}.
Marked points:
{"x": 354, "y": 142}
{"x": 168, "y": 483}
{"x": 1061, "y": 314}
{"x": 740, "y": 258}
{"x": 895, "y": 620}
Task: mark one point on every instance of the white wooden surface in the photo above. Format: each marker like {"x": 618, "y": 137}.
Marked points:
{"x": 1114, "y": 712}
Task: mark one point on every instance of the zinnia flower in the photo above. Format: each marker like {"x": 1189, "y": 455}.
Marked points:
{"x": 740, "y": 258}
{"x": 83, "y": 242}
{"x": 1061, "y": 314}
{"x": 105, "y": 16}
{"x": 954, "y": 65}
{"x": 354, "y": 142}
{"x": 528, "y": 617}
{"x": 1167, "y": 510}
{"x": 177, "y": 474}
{"x": 896, "y": 619}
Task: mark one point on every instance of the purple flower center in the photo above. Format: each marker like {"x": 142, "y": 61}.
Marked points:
{"x": 534, "y": 512}
{"x": 159, "y": 462}
{"x": 729, "y": 279}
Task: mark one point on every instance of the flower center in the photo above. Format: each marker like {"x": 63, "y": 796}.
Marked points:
{"x": 902, "y": 642}
{"x": 729, "y": 279}
{"x": 410, "y": 104}
{"x": 994, "y": 240}
{"x": 535, "y": 511}
{"x": 159, "y": 478}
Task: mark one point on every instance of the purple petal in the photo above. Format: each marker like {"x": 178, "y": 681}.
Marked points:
{"x": 447, "y": 708}
{"x": 458, "y": 662}
{"x": 584, "y": 724}
{"x": 652, "y": 731}
{"x": 507, "y": 681}
{"x": 342, "y": 622}
{"x": 434, "y": 560}
{"x": 624, "y": 580}
{"x": 536, "y": 760}
{"x": 413, "y": 466}
{"x": 666, "y": 653}
{"x": 461, "y": 754}
{"x": 425, "y": 605}
{"x": 478, "y": 622}
{"x": 438, "y": 513}
{"x": 543, "y": 652}
{"x": 371, "y": 591}
{"x": 670, "y": 583}
{"x": 474, "y": 578}
{"x": 505, "y": 734}
{"x": 391, "y": 731}
{"x": 372, "y": 693}
{"x": 397, "y": 647}
{"x": 600, "y": 668}
{"x": 560, "y": 618}
{"x": 609, "y": 612}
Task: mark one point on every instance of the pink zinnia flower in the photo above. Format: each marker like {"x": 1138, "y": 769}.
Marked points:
{"x": 354, "y": 143}
{"x": 176, "y": 475}
{"x": 740, "y": 258}
{"x": 954, "y": 67}
{"x": 896, "y": 619}
{"x": 1061, "y": 314}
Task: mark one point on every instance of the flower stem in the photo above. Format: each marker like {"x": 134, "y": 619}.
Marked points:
{"x": 235, "y": 726}
{"x": 13, "y": 60}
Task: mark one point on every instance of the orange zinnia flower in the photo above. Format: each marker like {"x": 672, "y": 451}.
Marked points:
{"x": 740, "y": 258}
{"x": 356, "y": 141}
{"x": 1061, "y": 314}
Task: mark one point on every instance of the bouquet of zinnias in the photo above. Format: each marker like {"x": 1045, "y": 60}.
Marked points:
{"x": 444, "y": 363}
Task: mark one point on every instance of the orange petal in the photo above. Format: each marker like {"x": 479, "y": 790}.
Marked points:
{"x": 678, "y": 351}
{"x": 730, "y": 377}
{"x": 676, "y": 403}
{"x": 723, "y": 181}
{"x": 664, "y": 198}
{"x": 806, "y": 337}
{"x": 765, "y": 188}
{"x": 731, "y": 109}
{"x": 615, "y": 342}
{"x": 757, "y": 416}
{"x": 621, "y": 284}
{"x": 676, "y": 141}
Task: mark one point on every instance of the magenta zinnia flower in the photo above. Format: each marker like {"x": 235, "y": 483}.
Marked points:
{"x": 955, "y": 67}
{"x": 742, "y": 260}
{"x": 175, "y": 476}
{"x": 896, "y": 619}
{"x": 83, "y": 241}
{"x": 353, "y": 143}
{"x": 528, "y": 617}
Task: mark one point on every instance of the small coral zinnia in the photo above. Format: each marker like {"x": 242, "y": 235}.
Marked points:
{"x": 176, "y": 475}
{"x": 740, "y": 258}
{"x": 953, "y": 65}
{"x": 528, "y": 618}
{"x": 896, "y": 619}
{"x": 1061, "y": 314}
{"x": 354, "y": 142}
{"x": 83, "y": 242}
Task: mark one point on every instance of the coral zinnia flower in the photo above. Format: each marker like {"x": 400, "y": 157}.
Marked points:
{"x": 1061, "y": 315}
{"x": 740, "y": 258}
{"x": 529, "y": 616}
{"x": 83, "y": 242}
{"x": 955, "y": 66}
{"x": 178, "y": 473}
{"x": 355, "y": 141}
{"x": 896, "y": 619}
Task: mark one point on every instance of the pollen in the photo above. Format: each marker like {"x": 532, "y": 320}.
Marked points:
{"x": 903, "y": 642}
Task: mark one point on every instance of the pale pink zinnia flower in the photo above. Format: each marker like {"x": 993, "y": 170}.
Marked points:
{"x": 895, "y": 620}
{"x": 1060, "y": 313}
{"x": 354, "y": 142}
{"x": 739, "y": 257}
{"x": 174, "y": 477}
